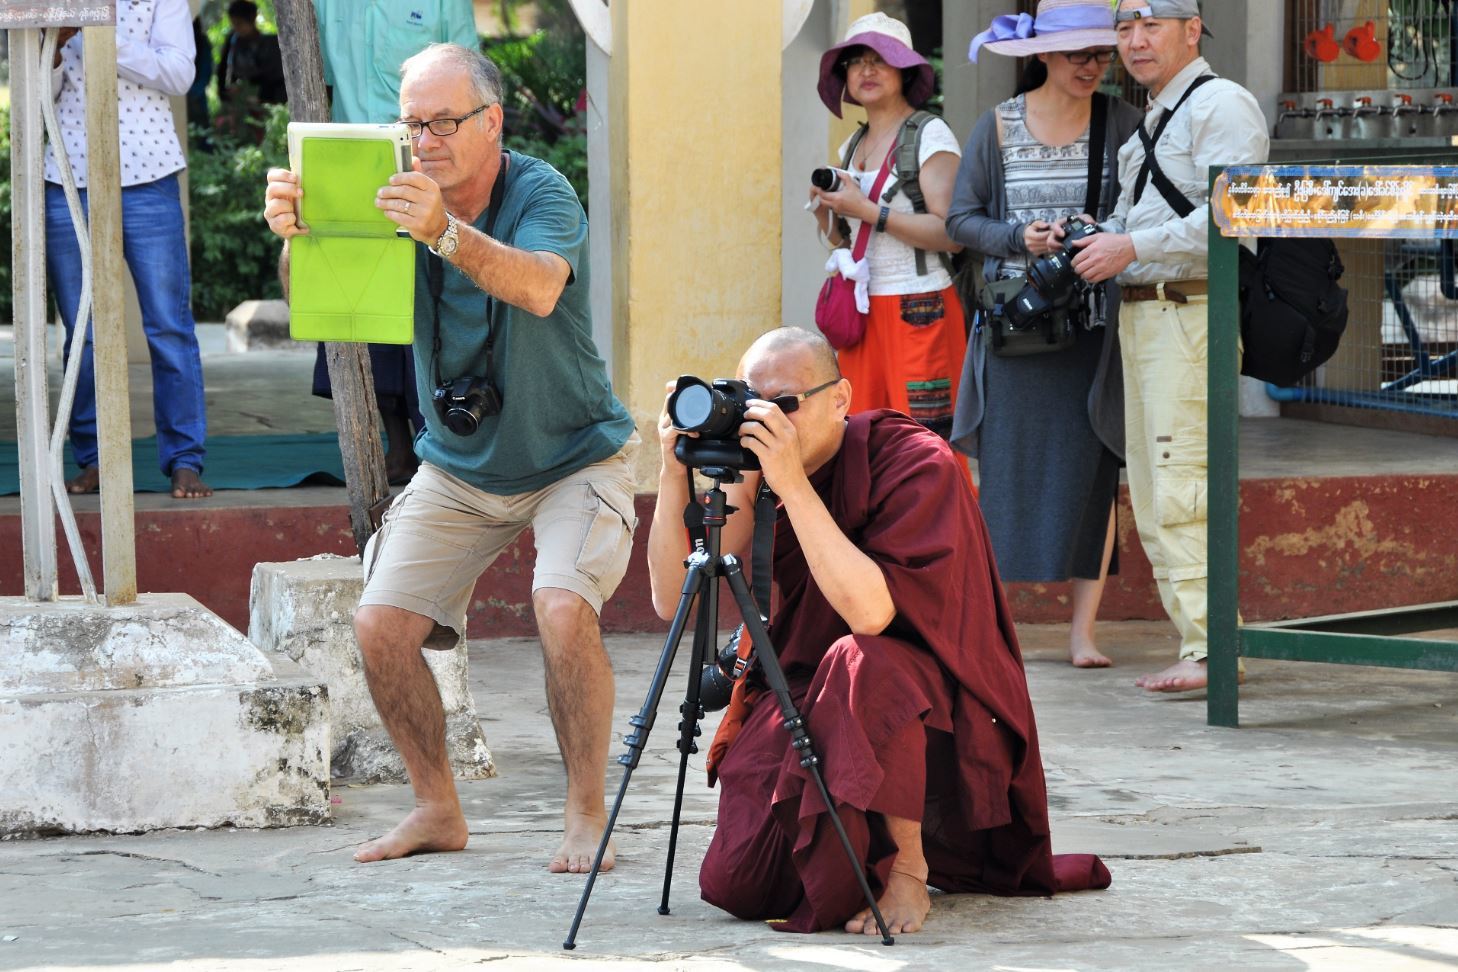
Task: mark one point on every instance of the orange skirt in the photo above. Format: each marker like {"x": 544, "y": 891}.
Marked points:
{"x": 910, "y": 358}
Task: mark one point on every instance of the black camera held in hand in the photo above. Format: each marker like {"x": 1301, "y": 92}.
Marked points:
{"x": 713, "y": 411}
{"x": 1040, "y": 312}
{"x": 825, "y": 179}
{"x": 464, "y": 402}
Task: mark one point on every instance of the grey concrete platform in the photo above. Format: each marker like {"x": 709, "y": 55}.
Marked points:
{"x": 1321, "y": 835}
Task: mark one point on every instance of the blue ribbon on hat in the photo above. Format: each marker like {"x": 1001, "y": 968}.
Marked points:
{"x": 1023, "y": 26}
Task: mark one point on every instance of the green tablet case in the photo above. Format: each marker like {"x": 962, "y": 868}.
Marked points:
{"x": 351, "y": 278}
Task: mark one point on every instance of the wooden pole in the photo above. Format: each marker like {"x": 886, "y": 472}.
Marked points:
{"x": 355, "y": 411}
{"x": 108, "y": 318}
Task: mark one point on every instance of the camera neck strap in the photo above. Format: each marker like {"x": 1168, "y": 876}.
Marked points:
{"x": 1097, "y": 135}
{"x": 435, "y": 279}
{"x": 1177, "y": 200}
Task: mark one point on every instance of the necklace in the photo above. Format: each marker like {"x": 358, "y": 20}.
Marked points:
{"x": 868, "y": 150}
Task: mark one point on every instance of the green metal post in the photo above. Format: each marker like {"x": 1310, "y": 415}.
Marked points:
{"x": 1223, "y": 699}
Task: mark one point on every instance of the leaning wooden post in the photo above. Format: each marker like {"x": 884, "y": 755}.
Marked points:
{"x": 355, "y": 411}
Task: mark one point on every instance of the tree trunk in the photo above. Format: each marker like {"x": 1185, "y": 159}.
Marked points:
{"x": 355, "y": 410}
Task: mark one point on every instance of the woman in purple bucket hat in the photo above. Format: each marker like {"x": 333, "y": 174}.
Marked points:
{"x": 915, "y": 339}
{"x": 1046, "y": 428}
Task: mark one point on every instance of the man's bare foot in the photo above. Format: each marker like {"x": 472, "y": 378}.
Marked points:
{"x": 1185, "y": 675}
{"x": 425, "y": 830}
{"x": 1084, "y": 654}
{"x": 579, "y": 846}
{"x": 187, "y": 484}
{"x": 88, "y": 481}
{"x": 904, "y": 905}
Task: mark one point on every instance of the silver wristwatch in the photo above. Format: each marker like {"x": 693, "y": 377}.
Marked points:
{"x": 449, "y": 240}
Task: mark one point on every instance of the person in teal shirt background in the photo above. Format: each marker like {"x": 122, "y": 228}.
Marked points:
{"x": 363, "y": 43}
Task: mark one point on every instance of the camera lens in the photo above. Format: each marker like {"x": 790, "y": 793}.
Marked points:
{"x": 692, "y": 407}
{"x": 825, "y": 179}
{"x": 699, "y": 407}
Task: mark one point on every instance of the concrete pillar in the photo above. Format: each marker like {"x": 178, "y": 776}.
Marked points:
{"x": 806, "y": 127}
{"x": 971, "y": 89}
{"x": 695, "y": 151}
{"x": 303, "y": 611}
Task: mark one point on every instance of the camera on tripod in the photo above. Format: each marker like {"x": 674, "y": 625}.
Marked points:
{"x": 714, "y": 411}
{"x": 1052, "y": 282}
{"x": 463, "y": 402}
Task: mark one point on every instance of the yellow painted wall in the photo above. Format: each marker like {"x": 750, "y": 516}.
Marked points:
{"x": 695, "y": 148}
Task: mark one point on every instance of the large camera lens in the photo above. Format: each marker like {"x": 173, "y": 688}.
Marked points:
{"x": 825, "y": 179}
{"x": 697, "y": 406}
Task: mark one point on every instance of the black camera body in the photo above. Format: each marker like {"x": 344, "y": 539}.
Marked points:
{"x": 825, "y": 179}
{"x": 713, "y": 411}
{"x": 463, "y": 402}
{"x": 1052, "y": 282}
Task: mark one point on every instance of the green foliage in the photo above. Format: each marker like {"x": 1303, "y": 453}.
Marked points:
{"x": 234, "y": 256}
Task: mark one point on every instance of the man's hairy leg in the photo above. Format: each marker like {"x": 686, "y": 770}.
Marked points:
{"x": 580, "y": 698}
{"x": 905, "y": 902}
{"x": 406, "y": 696}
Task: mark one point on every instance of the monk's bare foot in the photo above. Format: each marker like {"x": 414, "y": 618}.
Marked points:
{"x": 580, "y": 838}
{"x": 425, "y": 830}
{"x": 1185, "y": 675}
{"x": 904, "y": 905}
{"x": 1083, "y": 654}
{"x": 187, "y": 484}
{"x": 88, "y": 481}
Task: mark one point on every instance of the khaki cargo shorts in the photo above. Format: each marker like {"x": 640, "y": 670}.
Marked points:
{"x": 440, "y": 534}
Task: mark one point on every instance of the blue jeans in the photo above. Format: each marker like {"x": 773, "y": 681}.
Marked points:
{"x": 156, "y": 253}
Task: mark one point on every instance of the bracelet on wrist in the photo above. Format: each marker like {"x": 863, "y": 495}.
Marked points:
{"x": 881, "y": 219}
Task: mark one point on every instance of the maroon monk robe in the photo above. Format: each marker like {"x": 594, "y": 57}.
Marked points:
{"x": 929, "y": 720}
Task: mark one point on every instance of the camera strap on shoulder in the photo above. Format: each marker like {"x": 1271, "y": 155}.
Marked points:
{"x": 435, "y": 280}
{"x": 1097, "y": 136}
{"x": 1177, "y": 200}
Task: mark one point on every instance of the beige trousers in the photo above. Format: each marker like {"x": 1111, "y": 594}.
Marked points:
{"x": 1166, "y": 388}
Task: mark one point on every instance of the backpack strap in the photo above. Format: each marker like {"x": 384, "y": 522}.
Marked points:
{"x": 1177, "y": 200}
{"x": 908, "y": 176}
{"x": 1097, "y": 135}
{"x": 842, "y": 226}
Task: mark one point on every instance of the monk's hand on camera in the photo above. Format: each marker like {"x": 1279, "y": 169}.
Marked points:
{"x": 281, "y": 204}
{"x": 412, "y": 201}
{"x": 668, "y": 435}
{"x": 770, "y": 435}
{"x": 1103, "y": 256}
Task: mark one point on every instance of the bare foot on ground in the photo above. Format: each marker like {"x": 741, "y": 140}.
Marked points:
{"x": 579, "y": 847}
{"x": 88, "y": 481}
{"x": 1185, "y": 675}
{"x": 425, "y": 830}
{"x": 187, "y": 484}
{"x": 904, "y": 905}
{"x": 1084, "y": 654}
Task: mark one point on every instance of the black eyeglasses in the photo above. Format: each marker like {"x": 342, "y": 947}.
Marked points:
{"x": 791, "y": 403}
{"x": 441, "y": 127}
{"x": 1080, "y": 58}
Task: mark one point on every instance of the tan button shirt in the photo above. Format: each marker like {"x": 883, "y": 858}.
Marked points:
{"x": 1221, "y": 124}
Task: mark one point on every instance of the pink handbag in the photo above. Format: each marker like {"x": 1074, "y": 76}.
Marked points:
{"x": 835, "y": 309}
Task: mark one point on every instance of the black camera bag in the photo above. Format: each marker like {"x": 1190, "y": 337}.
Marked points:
{"x": 1292, "y": 313}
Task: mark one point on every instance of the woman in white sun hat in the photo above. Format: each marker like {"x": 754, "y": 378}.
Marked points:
{"x": 911, "y": 355}
{"x": 1047, "y": 429}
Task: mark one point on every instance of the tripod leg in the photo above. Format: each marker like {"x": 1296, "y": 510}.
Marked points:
{"x": 799, "y": 735}
{"x": 690, "y": 712}
{"x": 642, "y": 724}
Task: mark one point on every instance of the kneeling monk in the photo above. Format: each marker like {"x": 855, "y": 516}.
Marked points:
{"x": 896, "y": 640}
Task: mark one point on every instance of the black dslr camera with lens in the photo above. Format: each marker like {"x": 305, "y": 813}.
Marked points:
{"x": 463, "y": 402}
{"x": 1039, "y": 312}
{"x": 714, "y": 411}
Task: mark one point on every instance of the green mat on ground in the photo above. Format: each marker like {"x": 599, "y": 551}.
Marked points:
{"x": 233, "y": 462}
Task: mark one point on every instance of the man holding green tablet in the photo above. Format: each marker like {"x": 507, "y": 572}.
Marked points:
{"x": 522, "y": 430}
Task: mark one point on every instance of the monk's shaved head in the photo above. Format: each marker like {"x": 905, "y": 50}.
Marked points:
{"x": 796, "y": 341}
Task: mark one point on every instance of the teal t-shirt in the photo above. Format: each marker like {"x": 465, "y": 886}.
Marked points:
{"x": 558, "y": 410}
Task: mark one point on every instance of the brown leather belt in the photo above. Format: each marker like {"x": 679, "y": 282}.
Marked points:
{"x": 1179, "y": 291}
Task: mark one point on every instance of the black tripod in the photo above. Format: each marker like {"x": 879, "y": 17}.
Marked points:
{"x": 705, "y": 566}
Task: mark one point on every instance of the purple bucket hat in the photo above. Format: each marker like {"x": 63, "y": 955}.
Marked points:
{"x": 892, "y": 41}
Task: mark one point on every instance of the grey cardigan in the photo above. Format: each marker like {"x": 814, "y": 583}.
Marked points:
{"x": 978, "y": 220}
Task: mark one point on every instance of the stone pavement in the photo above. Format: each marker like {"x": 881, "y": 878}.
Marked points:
{"x": 1321, "y": 835}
